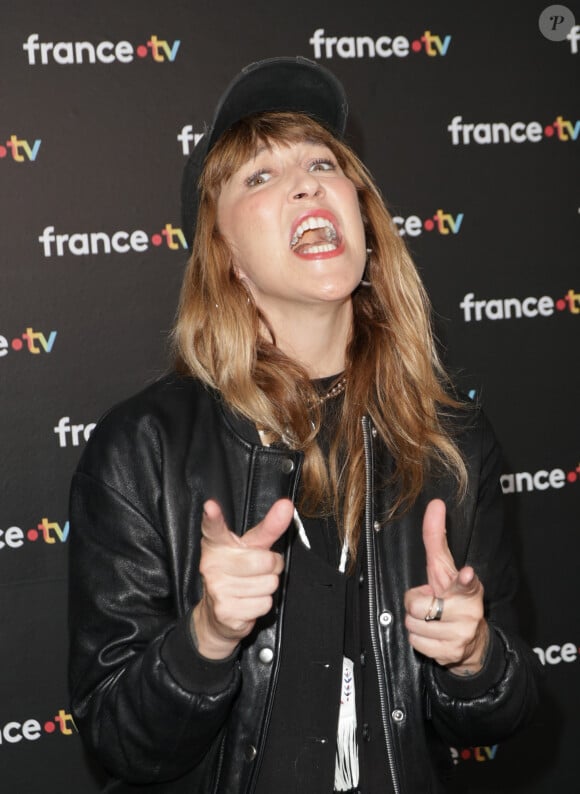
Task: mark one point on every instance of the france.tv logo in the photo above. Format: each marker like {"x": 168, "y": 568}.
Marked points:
{"x": 19, "y": 149}
{"x": 65, "y": 53}
{"x": 45, "y": 531}
{"x": 382, "y": 47}
{"x": 31, "y": 341}
{"x": 541, "y": 480}
{"x": 518, "y": 308}
{"x": 31, "y": 729}
{"x": 442, "y": 222}
{"x": 497, "y": 132}
{"x": 117, "y": 242}
{"x": 479, "y": 754}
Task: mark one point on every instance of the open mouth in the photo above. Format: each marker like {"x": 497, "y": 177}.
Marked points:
{"x": 315, "y": 235}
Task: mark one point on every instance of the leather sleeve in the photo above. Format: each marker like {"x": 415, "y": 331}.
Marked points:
{"x": 486, "y": 708}
{"x": 145, "y": 703}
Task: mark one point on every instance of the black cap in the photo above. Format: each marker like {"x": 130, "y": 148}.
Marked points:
{"x": 285, "y": 84}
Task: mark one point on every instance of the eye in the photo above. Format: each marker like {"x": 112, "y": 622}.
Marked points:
{"x": 259, "y": 177}
{"x": 322, "y": 164}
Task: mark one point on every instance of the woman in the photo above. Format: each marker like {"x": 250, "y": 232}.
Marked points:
{"x": 289, "y": 568}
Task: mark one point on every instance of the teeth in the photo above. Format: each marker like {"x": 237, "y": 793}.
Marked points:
{"x": 314, "y": 222}
{"x": 320, "y": 249}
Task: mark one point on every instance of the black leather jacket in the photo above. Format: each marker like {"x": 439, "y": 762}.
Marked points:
{"x": 151, "y": 709}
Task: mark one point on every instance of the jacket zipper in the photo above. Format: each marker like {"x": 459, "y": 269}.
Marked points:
{"x": 383, "y": 694}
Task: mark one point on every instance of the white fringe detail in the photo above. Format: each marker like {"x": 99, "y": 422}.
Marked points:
{"x": 306, "y": 542}
{"x": 301, "y": 530}
{"x": 346, "y": 770}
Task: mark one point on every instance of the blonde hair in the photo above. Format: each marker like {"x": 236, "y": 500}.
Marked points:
{"x": 393, "y": 371}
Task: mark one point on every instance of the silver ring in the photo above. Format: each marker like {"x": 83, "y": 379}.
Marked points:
{"x": 438, "y": 603}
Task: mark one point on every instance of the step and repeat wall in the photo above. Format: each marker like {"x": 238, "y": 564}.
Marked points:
{"x": 468, "y": 116}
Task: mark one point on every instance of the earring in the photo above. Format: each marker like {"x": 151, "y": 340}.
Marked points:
{"x": 364, "y": 282}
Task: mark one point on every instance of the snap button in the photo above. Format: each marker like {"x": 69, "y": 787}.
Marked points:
{"x": 385, "y": 618}
{"x": 398, "y": 715}
{"x": 363, "y": 659}
{"x": 266, "y": 655}
{"x": 287, "y": 465}
{"x": 374, "y": 431}
{"x": 366, "y": 732}
{"x": 376, "y": 526}
{"x": 361, "y": 580}
{"x": 250, "y": 752}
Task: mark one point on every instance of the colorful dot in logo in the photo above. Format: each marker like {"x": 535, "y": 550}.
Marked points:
{"x": 3, "y": 151}
{"x": 49, "y": 726}
{"x": 16, "y": 344}
{"x": 549, "y": 131}
{"x": 429, "y": 225}
{"x": 416, "y": 45}
{"x": 32, "y": 534}
{"x": 561, "y": 304}
{"x": 156, "y": 239}
{"x": 142, "y": 51}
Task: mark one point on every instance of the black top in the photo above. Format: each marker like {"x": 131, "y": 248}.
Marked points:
{"x": 324, "y": 615}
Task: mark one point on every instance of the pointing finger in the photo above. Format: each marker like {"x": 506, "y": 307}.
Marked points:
{"x": 441, "y": 570}
{"x": 271, "y": 527}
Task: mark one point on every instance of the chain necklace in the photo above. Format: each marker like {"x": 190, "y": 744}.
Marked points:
{"x": 267, "y": 437}
{"x": 334, "y": 391}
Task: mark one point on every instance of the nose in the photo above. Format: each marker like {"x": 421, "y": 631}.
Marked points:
{"x": 305, "y": 185}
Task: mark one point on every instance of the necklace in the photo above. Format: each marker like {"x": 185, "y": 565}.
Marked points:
{"x": 334, "y": 391}
{"x": 267, "y": 437}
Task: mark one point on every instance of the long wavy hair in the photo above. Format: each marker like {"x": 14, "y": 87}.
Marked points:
{"x": 393, "y": 372}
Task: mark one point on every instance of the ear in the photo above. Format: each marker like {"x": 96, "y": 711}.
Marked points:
{"x": 238, "y": 272}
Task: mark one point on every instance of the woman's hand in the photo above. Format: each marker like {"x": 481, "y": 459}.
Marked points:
{"x": 240, "y": 576}
{"x": 458, "y": 639}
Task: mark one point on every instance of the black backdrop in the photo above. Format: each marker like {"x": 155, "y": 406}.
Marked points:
{"x": 94, "y": 151}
